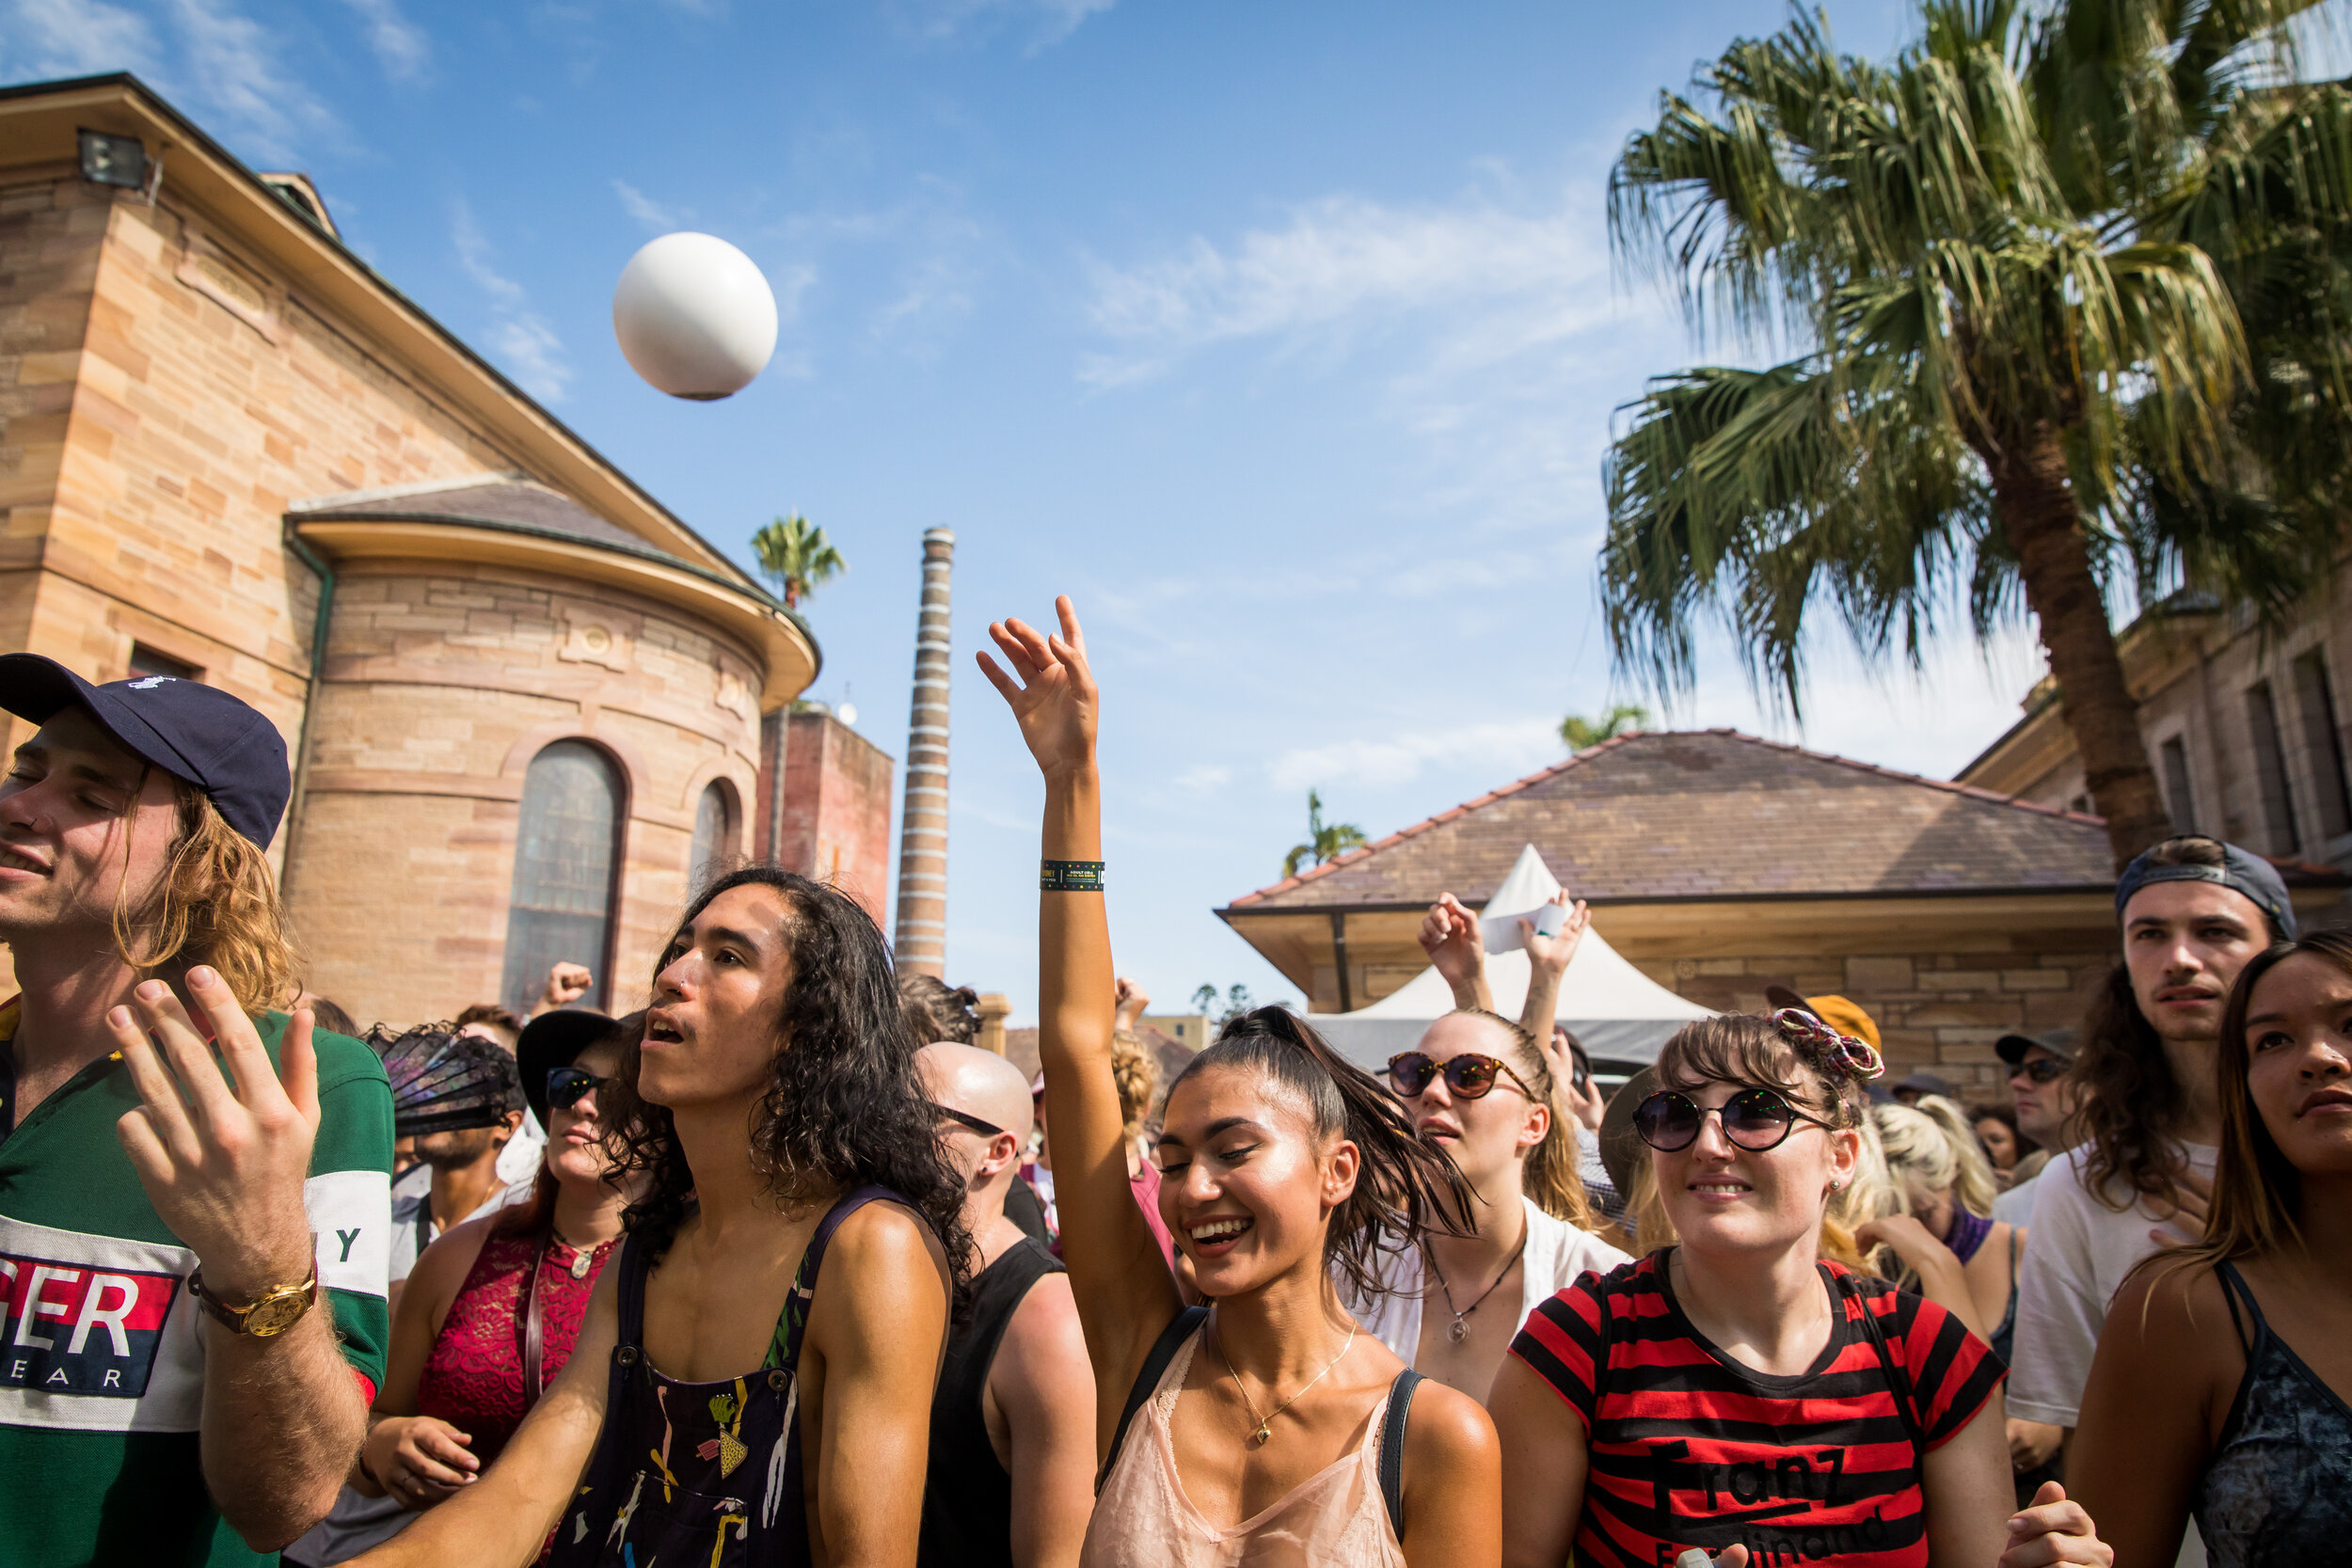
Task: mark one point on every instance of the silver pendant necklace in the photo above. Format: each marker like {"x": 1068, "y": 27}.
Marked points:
{"x": 1458, "y": 1330}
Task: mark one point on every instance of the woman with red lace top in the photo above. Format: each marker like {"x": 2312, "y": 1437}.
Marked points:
{"x": 494, "y": 1307}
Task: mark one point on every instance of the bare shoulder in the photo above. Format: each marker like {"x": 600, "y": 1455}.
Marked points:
{"x": 1447, "y": 1428}
{"x": 1047, "y": 1318}
{"x": 441, "y": 1268}
{"x": 1042, "y": 1360}
{"x": 883, "y": 1250}
{"x": 2169, "y": 1310}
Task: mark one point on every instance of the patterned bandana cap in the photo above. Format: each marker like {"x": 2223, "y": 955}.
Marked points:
{"x": 2241, "y": 871}
{"x": 1857, "y": 1059}
{"x": 444, "y": 1082}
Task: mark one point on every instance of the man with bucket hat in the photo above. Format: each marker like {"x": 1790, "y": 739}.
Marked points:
{"x": 2192, "y": 912}
{"x": 192, "y": 1185}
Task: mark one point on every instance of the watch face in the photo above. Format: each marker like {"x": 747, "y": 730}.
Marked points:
{"x": 275, "y": 1315}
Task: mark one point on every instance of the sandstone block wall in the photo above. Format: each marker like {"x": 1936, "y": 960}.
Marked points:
{"x": 442, "y": 682}
{"x": 1939, "y": 1010}
{"x": 836, "y": 809}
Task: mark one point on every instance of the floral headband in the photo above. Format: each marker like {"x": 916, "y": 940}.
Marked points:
{"x": 1857, "y": 1059}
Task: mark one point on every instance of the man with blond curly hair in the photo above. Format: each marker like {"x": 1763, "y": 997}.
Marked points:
{"x": 194, "y": 1195}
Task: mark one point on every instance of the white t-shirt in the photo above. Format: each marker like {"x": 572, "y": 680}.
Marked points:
{"x": 519, "y": 1160}
{"x": 2077, "y": 1251}
{"x": 2015, "y": 1206}
{"x": 1557, "y": 1253}
{"x": 412, "y": 1213}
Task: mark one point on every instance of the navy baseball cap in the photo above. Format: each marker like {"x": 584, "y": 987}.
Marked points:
{"x": 2241, "y": 871}
{"x": 200, "y": 732}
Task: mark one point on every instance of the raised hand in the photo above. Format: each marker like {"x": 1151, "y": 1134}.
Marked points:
{"x": 566, "y": 984}
{"x": 223, "y": 1157}
{"x": 1550, "y": 954}
{"x": 1132, "y": 1003}
{"x": 1050, "y": 691}
{"x": 1449, "y": 934}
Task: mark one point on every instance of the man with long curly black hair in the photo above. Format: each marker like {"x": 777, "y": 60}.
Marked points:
{"x": 779, "y": 1308}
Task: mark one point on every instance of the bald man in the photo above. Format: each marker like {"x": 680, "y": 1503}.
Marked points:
{"x": 1011, "y": 1475}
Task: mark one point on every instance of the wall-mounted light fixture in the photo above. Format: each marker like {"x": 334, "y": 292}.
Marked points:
{"x": 121, "y": 162}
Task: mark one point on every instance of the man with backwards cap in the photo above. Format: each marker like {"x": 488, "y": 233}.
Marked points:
{"x": 2193, "y": 910}
{"x": 192, "y": 1236}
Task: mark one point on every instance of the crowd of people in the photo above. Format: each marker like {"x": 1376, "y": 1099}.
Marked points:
{"x": 783, "y": 1269}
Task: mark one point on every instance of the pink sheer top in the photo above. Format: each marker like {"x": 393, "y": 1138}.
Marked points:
{"x": 1332, "y": 1519}
{"x": 473, "y": 1379}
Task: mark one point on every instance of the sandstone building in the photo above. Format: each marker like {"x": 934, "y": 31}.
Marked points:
{"x": 524, "y": 700}
{"x": 2246, "y": 731}
{"x": 1720, "y": 863}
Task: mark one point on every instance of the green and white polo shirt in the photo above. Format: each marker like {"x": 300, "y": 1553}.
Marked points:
{"x": 102, "y": 1364}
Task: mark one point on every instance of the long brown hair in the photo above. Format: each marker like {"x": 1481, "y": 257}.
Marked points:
{"x": 1551, "y": 1179}
{"x": 2257, "y": 1195}
{"x": 216, "y": 903}
{"x": 2128, "y": 1100}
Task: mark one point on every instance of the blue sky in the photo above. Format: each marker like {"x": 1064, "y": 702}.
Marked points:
{"x": 1284, "y": 338}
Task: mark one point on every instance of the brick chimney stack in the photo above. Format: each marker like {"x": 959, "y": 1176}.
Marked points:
{"x": 922, "y": 937}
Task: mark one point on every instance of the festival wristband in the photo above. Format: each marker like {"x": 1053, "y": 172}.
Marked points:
{"x": 1070, "y": 876}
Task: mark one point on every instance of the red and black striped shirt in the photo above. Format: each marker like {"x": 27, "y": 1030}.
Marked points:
{"x": 1689, "y": 1447}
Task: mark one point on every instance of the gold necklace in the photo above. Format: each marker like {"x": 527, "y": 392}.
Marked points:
{"x": 1264, "y": 1430}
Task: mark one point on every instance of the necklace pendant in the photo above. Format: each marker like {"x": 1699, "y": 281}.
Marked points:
{"x": 1261, "y": 1436}
{"x": 580, "y": 1266}
{"x": 1456, "y": 1332}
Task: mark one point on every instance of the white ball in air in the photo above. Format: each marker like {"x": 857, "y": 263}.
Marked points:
{"x": 695, "y": 316}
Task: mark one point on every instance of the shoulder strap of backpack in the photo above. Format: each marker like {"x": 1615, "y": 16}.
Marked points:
{"x": 1179, "y": 1328}
{"x": 1393, "y": 1447}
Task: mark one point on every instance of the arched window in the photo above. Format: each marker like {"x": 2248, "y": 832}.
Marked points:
{"x": 714, "y": 830}
{"x": 565, "y": 853}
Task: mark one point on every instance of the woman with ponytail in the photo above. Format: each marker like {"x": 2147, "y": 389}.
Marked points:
{"x": 1935, "y": 1230}
{"x": 1736, "y": 1392}
{"x": 1265, "y": 1429}
{"x": 1481, "y": 1089}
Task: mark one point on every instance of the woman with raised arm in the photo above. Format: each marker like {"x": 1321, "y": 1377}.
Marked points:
{"x": 1735, "y": 1392}
{"x": 753, "y": 1383}
{"x": 1265, "y": 1429}
{"x": 2222, "y": 1388}
{"x": 1478, "y": 1087}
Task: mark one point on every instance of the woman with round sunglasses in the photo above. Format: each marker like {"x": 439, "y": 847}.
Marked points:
{"x": 495, "y": 1304}
{"x": 1478, "y": 1087}
{"x": 1265, "y": 1429}
{"x": 2222, "y": 1388}
{"x": 1737, "y": 1394}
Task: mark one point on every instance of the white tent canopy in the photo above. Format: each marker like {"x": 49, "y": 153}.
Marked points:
{"x": 1618, "y": 1013}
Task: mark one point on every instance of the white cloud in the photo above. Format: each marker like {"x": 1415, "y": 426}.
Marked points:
{"x": 532, "y": 352}
{"x": 400, "y": 44}
{"x": 1506, "y": 749}
{"x": 1048, "y": 21}
{"x": 74, "y": 38}
{"x": 230, "y": 64}
{"x": 648, "y": 213}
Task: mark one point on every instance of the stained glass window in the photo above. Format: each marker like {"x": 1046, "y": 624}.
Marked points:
{"x": 565, "y": 851}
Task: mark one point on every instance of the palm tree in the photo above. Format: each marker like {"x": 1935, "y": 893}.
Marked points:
{"x": 798, "y": 559}
{"x": 1581, "y": 732}
{"x": 1323, "y": 842}
{"x": 2026, "y": 263}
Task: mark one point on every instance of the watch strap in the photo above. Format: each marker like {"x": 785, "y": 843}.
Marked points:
{"x": 237, "y": 1317}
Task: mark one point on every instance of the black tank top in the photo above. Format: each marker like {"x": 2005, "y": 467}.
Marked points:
{"x": 967, "y": 1497}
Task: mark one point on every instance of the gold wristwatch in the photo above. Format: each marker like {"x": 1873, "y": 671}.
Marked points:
{"x": 267, "y": 1315}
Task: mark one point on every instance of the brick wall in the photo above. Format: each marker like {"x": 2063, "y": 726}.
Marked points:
{"x": 1939, "y": 1010}
{"x": 836, "y": 810}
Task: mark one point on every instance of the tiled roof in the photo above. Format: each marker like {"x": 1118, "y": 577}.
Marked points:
{"x": 500, "y": 500}
{"x": 1714, "y": 813}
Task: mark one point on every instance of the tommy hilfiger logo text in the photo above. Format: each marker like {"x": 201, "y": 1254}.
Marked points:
{"x": 74, "y": 1329}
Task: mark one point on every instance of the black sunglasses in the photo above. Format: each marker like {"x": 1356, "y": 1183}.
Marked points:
{"x": 2042, "y": 1069}
{"x": 1753, "y": 1119}
{"x": 985, "y": 1129}
{"x": 1468, "y": 1076}
{"x": 566, "y": 1084}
